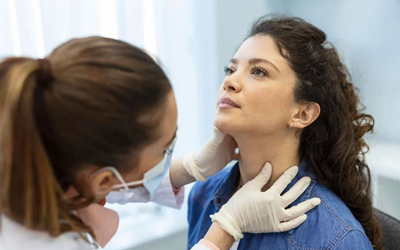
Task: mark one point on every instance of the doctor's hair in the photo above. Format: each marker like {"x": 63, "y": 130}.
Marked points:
{"x": 87, "y": 103}
{"x": 333, "y": 144}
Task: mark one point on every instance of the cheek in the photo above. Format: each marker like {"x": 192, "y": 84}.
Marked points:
{"x": 268, "y": 102}
{"x": 151, "y": 161}
{"x": 267, "y": 109}
{"x": 147, "y": 162}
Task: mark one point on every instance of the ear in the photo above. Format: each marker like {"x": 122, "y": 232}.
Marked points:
{"x": 102, "y": 183}
{"x": 306, "y": 114}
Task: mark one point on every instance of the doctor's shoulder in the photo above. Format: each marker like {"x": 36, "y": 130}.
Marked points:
{"x": 14, "y": 236}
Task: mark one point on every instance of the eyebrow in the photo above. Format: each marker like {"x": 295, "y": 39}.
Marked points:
{"x": 255, "y": 61}
{"x": 173, "y": 137}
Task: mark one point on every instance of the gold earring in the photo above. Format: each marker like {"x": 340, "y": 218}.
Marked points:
{"x": 291, "y": 124}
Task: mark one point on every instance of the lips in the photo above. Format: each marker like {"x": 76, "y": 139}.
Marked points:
{"x": 226, "y": 101}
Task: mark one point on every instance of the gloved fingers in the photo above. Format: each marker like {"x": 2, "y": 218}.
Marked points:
{"x": 219, "y": 135}
{"x": 291, "y": 224}
{"x": 285, "y": 179}
{"x": 290, "y": 196}
{"x": 263, "y": 177}
{"x": 192, "y": 168}
{"x": 301, "y": 208}
{"x": 210, "y": 147}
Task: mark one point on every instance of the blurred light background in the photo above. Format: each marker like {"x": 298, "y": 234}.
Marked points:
{"x": 193, "y": 40}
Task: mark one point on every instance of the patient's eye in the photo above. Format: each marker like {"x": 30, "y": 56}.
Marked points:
{"x": 259, "y": 71}
{"x": 228, "y": 71}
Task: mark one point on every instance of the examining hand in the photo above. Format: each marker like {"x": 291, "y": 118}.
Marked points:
{"x": 252, "y": 211}
{"x": 214, "y": 155}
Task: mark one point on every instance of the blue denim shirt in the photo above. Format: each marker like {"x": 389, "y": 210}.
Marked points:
{"x": 331, "y": 225}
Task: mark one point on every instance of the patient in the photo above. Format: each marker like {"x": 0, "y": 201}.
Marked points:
{"x": 288, "y": 99}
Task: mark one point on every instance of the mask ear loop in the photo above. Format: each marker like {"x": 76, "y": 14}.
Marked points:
{"x": 133, "y": 183}
{"x": 171, "y": 146}
{"x": 116, "y": 173}
{"x": 123, "y": 183}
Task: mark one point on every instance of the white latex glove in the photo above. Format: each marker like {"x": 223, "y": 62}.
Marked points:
{"x": 215, "y": 154}
{"x": 252, "y": 211}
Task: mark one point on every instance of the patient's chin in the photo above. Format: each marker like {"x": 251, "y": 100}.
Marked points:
{"x": 224, "y": 125}
{"x": 220, "y": 123}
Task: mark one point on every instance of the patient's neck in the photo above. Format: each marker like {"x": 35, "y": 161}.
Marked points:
{"x": 280, "y": 151}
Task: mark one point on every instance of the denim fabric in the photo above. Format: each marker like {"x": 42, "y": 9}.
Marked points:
{"x": 329, "y": 226}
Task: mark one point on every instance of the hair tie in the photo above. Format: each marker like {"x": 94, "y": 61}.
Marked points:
{"x": 45, "y": 74}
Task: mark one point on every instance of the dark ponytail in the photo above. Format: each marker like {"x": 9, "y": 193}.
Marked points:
{"x": 333, "y": 145}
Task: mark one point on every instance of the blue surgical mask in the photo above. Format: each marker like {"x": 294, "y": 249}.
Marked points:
{"x": 152, "y": 179}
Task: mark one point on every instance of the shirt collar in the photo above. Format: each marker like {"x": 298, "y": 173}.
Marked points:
{"x": 228, "y": 184}
{"x": 304, "y": 170}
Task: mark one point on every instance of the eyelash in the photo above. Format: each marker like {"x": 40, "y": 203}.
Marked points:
{"x": 255, "y": 68}
{"x": 228, "y": 71}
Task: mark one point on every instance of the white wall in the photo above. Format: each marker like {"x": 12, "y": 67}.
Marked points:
{"x": 234, "y": 19}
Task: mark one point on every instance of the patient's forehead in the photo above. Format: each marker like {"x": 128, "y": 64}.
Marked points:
{"x": 263, "y": 47}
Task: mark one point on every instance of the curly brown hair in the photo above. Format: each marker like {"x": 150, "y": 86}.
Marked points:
{"x": 333, "y": 145}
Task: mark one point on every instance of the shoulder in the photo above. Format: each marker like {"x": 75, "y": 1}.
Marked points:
{"x": 335, "y": 208}
{"x": 332, "y": 221}
{"x": 354, "y": 238}
{"x": 14, "y": 236}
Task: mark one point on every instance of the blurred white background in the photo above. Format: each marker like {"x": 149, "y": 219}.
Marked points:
{"x": 193, "y": 41}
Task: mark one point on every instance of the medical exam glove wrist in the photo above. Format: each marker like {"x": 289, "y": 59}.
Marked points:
{"x": 214, "y": 155}
{"x": 251, "y": 210}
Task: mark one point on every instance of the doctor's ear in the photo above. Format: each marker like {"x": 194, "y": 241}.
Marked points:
{"x": 102, "y": 183}
{"x": 305, "y": 115}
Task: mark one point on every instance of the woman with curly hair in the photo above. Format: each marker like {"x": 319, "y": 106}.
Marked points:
{"x": 288, "y": 99}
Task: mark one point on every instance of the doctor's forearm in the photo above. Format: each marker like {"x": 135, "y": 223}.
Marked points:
{"x": 178, "y": 174}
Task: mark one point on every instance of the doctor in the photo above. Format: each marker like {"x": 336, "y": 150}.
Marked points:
{"x": 96, "y": 121}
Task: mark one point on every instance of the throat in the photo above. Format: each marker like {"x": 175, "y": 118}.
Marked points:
{"x": 253, "y": 157}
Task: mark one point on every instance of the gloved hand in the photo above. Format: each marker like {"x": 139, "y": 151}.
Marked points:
{"x": 252, "y": 211}
{"x": 215, "y": 154}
